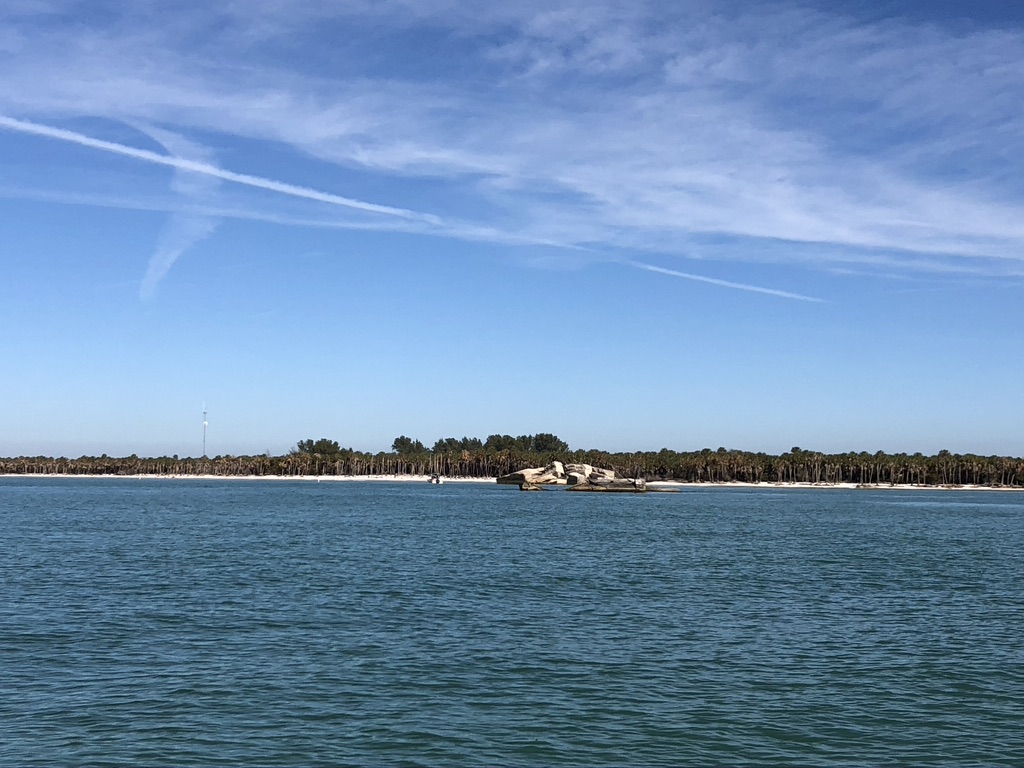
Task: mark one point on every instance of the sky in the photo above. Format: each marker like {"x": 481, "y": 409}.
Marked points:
{"x": 636, "y": 225}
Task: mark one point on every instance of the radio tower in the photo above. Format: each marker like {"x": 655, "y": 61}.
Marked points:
{"x": 205, "y": 422}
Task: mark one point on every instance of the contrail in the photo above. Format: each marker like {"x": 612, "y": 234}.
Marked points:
{"x": 37, "y": 129}
{"x": 193, "y": 166}
{"x": 178, "y": 235}
{"x": 723, "y": 283}
{"x": 182, "y": 230}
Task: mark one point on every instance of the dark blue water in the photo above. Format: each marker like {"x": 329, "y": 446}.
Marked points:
{"x": 231, "y": 622}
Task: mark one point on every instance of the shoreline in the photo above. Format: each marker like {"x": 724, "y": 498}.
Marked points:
{"x": 837, "y": 486}
{"x": 292, "y": 478}
{"x": 653, "y": 484}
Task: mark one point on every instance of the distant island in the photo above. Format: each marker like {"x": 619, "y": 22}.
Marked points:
{"x": 500, "y": 455}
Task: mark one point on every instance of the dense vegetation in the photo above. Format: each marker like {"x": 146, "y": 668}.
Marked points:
{"x": 501, "y": 454}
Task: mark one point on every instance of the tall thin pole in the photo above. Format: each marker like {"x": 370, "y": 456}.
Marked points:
{"x": 205, "y": 422}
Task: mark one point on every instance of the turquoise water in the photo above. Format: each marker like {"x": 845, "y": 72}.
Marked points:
{"x": 274, "y": 623}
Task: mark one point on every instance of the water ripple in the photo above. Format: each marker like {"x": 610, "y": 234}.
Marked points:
{"x": 197, "y": 623}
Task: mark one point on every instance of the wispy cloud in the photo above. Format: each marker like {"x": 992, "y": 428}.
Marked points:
{"x": 191, "y": 209}
{"x": 192, "y": 166}
{"x": 685, "y": 130}
{"x": 184, "y": 229}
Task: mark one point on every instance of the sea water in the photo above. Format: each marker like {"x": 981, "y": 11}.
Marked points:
{"x": 191, "y": 622}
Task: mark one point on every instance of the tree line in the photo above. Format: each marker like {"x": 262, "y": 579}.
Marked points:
{"x": 500, "y": 454}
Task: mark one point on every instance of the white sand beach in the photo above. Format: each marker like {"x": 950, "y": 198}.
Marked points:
{"x": 301, "y": 478}
{"x": 825, "y": 486}
{"x": 653, "y": 484}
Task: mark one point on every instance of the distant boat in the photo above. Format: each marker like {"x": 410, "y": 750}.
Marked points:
{"x": 436, "y": 479}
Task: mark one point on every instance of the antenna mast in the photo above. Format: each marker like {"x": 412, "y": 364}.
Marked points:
{"x": 204, "y": 430}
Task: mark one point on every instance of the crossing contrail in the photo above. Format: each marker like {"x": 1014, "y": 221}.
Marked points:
{"x": 60, "y": 134}
{"x": 307, "y": 193}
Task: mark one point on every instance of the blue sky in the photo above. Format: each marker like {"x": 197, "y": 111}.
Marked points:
{"x": 635, "y": 225}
